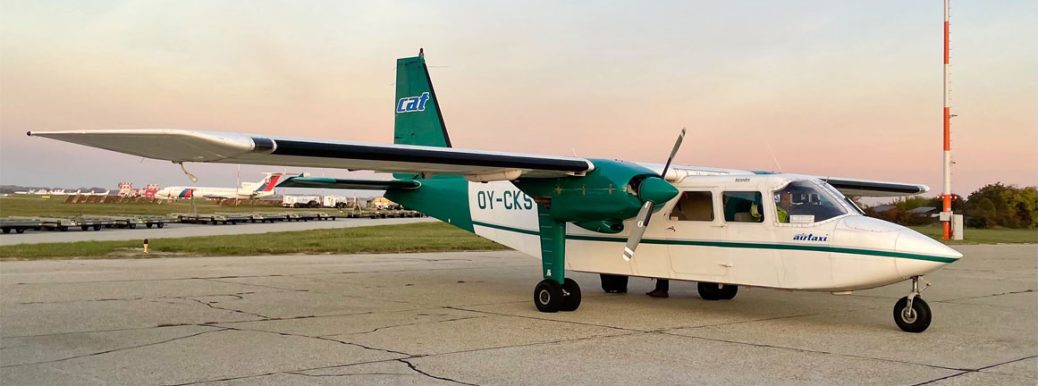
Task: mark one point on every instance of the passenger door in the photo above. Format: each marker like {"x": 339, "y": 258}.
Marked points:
{"x": 750, "y": 238}
{"x": 694, "y": 226}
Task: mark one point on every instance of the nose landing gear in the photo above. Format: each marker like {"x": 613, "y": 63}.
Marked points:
{"x": 911, "y": 313}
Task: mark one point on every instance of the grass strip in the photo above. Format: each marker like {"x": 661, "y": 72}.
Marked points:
{"x": 984, "y": 236}
{"x": 421, "y": 237}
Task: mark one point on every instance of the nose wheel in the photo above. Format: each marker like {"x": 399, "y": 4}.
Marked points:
{"x": 550, "y": 296}
{"x": 911, "y": 313}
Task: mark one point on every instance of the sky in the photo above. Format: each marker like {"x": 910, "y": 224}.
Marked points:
{"x": 839, "y": 88}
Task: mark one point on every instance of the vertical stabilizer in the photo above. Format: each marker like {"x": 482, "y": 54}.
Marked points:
{"x": 418, "y": 118}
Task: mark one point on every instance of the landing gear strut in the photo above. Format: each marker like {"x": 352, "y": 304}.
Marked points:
{"x": 911, "y": 313}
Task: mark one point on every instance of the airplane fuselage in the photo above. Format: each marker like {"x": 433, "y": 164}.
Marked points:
{"x": 845, "y": 252}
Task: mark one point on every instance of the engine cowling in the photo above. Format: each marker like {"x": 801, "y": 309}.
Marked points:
{"x": 614, "y": 191}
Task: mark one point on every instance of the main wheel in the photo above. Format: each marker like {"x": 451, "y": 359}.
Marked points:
{"x": 571, "y": 295}
{"x": 614, "y": 284}
{"x": 915, "y": 319}
{"x": 547, "y": 296}
{"x": 715, "y": 291}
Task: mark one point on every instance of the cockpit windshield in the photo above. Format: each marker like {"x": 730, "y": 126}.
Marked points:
{"x": 804, "y": 202}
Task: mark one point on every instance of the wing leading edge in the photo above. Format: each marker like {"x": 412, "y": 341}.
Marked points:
{"x": 202, "y": 146}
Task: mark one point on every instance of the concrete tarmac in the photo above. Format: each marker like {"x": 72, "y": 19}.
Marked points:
{"x": 191, "y": 230}
{"x": 468, "y": 318}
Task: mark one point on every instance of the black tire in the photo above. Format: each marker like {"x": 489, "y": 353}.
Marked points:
{"x": 547, "y": 296}
{"x": 97, "y": 228}
{"x": 7, "y": 230}
{"x": 84, "y": 227}
{"x": 18, "y": 231}
{"x": 63, "y": 228}
{"x": 161, "y": 225}
{"x": 614, "y": 284}
{"x": 714, "y": 291}
{"x": 133, "y": 226}
{"x": 148, "y": 225}
{"x": 916, "y": 321}
{"x": 571, "y": 293}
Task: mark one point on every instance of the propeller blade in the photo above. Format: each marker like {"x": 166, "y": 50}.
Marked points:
{"x": 673, "y": 152}
{"x": 639, "y": 229}
{"x": 646, "y": 212}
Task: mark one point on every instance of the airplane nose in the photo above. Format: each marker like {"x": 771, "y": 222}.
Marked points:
{"x": 921, "y": 254}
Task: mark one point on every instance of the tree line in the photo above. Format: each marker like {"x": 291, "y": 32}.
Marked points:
{"x": 994, "y": 205}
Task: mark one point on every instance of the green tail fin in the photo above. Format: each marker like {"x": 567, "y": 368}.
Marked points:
{"x": 418, "y": 119}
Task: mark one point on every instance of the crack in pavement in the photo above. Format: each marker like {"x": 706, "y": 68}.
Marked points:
{"x": 415, "y": 368}
{"x": 987, "y": 296}
{"x": 763, "y": 345}
{"x": 322, "y": 338}
{"x": 339, "y": 375}
{"x": 210, "y": 305}
{"x": 235, "y": 294}
{"x": 404, "y": 325}
{"x": 408, "y": 356}
{"x": 216, "y": 329}
{"x": 460, "y": 308}
{"x": 977, "y": 370}
{"x": 258, "y": 285}
{"x": 665, "y": 332}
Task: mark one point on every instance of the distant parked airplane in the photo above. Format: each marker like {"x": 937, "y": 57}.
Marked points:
{"x": 261, "y": 189}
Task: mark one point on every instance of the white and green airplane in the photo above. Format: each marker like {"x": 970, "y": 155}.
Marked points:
{"x": 722, "y": 228}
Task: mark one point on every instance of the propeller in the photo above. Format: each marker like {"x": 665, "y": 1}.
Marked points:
{"x": 644, "y": 192}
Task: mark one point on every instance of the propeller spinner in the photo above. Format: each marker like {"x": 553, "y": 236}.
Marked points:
{"x": 653, "y": 191}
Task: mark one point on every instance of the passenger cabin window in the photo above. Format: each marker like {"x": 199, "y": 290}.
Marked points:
{"x": 694, "y": 206}
{"x": 743, "y": 207}
{"x": 803, "y": 202}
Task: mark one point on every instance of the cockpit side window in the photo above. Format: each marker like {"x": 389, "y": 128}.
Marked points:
{"x": 694, "y": 206}
{"x": 805, "y": 202}
{"x": 743, "y": 207}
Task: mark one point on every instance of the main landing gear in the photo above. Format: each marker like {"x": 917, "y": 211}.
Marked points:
{"x": 614, "y": 284}
{"x": 717, "y": 291}
{"x": 550, "y": 296}
{"x": 911, "y": 313}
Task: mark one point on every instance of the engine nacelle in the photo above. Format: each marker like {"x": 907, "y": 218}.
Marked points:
{"x": 612, "y": 192}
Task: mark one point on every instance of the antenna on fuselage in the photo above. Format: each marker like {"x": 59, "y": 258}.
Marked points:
{"x": 774, "y": 157}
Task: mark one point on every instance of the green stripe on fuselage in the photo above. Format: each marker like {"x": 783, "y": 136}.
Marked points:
{"x": 729, "y": 244}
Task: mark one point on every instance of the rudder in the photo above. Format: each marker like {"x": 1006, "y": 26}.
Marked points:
{"x": 418, "y": 117}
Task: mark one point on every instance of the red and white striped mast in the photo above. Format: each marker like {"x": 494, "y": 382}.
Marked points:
{"x": 947, "y": 219}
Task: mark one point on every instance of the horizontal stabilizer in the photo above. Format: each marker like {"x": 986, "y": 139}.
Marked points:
{"x": 337, "y": 183}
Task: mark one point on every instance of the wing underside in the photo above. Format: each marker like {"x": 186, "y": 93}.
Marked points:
{"x": 339, "y": 183}
{"x": 869, "y": 188}
{"x": 199, "y": 146}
